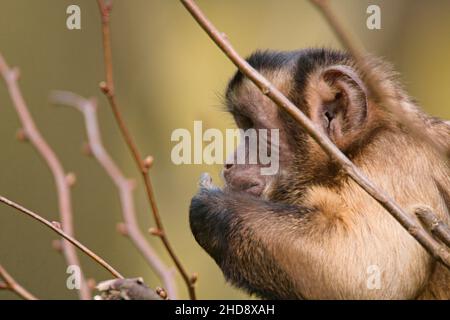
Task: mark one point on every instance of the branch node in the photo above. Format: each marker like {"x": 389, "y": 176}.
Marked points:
{"x": 104, "y": 87}
{"x": 56, "y": 224}
{"x": 122, "y": 229}
{"x": 194, "y": 278}
{"x": 156, "y": 232}
{"x": 265, "y": 90}
{"x": 432, "y": 222}
{"x": 21, "y": 135}
{"x": 148, "y": 162}
{"x": 86, "y": 149}
{"x": 71, "y": 179}
{"x": 161, "y": 292}
{"x": 224, "y": 36}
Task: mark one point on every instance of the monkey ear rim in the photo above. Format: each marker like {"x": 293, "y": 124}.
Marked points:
{"x": 343, "y": 116}
{"x": 350, "y": 73}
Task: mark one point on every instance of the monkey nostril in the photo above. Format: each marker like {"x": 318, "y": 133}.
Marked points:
{"x": 228, "y": 166}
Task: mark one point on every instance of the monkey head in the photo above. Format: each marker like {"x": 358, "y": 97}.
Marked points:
{"x": 325, "y": 85}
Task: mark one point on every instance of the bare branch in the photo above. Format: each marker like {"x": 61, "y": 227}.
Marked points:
{"x": 12, "y": 285}
{"x": 405, "y": 219}
{"x": 105, "y": 11}
{"x": 375, "y": 85}
{"x": 127, "y": 289}
{"x": 108, "y": 89}
{"x": 434, "y": 224}
{"x": 63, "y": 234}
{"x": 88, "y": 107}
{"x": 63, "y": 184}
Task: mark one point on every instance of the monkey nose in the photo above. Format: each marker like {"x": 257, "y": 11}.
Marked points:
{"x": 228, "y": 166}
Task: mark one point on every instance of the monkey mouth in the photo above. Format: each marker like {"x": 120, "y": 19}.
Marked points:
{"x": 253, "y": 188}
{"x": 250, "y": 186}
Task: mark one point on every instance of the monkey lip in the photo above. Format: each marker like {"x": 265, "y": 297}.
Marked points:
{"x": 255, "y": 189}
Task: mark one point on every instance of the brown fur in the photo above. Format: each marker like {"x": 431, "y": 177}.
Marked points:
{"x": 314, "y": 233}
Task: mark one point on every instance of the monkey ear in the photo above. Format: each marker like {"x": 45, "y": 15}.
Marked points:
{"x": 339, "y": 105}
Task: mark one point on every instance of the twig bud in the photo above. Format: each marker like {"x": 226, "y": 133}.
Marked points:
{"x": 194, "y": 277}
{"x": 3, "y": 286}
{"x": 57, "y": 245}
{"x": 91, "y": 283}
{"x": 86, "y": 149}
{"x": 148, "y": 162}
{"x": 71, "y": 179}
{"x": 21, "y": 135}
{"x": 155, "y": 232}
{"x": 56, "y": 224}
{"x": 265, "y": 90}
{"x": 122, "y": 229}
{"x": 104, "y": 87}
{"x": 161, "y": 292}
{"x": 224, "y": 36}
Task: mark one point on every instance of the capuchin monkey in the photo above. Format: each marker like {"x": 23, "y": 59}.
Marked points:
{"x": 309, "y": 231}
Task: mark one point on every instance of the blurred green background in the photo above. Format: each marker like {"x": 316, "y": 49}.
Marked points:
{"x": 168, "y": 74}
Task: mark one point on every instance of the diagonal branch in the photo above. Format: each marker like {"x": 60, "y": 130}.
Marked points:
{"x": 63, "y": 234}
{"x": 406, "y": 220}
{"x": 62, "y": 182}
{"x": 143, "y": 165}
{"x": 437, "y": 227}
{"x": 12, "y": 285}
{"x": 88, "y": 107}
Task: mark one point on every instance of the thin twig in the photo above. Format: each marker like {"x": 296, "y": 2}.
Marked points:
{"x": 88, "y": 107}
{"x": 434, "y": 224}
{"x": 375, "y": 84}
{"x": 108, "y": 89}
{"x": 32, "y": 133}
{"x": 12, "y": 285}
{"x": 406, "y": 220}
{"x": 63, "y": 234}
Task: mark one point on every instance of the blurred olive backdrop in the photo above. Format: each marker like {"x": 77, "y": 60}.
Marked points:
{"x": 168, "y": 74}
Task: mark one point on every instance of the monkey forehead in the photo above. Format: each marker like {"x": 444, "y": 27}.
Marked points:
{"x": 249, "y": 96}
